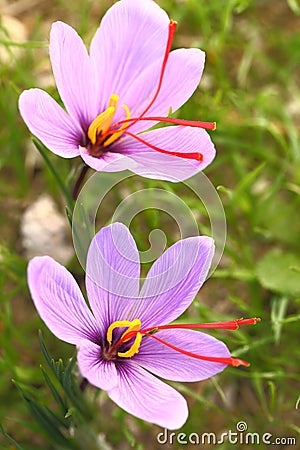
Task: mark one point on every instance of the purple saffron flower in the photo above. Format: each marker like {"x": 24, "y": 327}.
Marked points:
{"x": 125, "y": 338}
{"x": 128, "y": 82}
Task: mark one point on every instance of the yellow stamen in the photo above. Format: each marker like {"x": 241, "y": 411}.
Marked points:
{"x": 134, "y": 348}
{"x": 115, "y": 136}
{"x": 136, "y": 324}
{"x": 113, "y": 101}
{"x": 133, "y": 325}
{"x": 101, "y": 124}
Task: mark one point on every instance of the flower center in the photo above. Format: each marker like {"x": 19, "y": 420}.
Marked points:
{"x": 131, "y": 334}
{"x": 99, "y": 131}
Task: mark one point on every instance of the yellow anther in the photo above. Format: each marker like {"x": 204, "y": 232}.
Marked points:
{"x": 101, "y": 124}
{"x": 127, "y": 110}
{"x": 113, "y": 101}
{"x": 133, "y": 325}
{"x": 133, "y": 349}
{"x": 115, "y": 136}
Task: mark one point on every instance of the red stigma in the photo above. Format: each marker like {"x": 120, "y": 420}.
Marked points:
{"x": 229, "y": 325}
{"x": 172, "y": 30}
{"x": 197, "y": 156}
{"x": 129, "y": 122}
{"x": 235, "y": 362}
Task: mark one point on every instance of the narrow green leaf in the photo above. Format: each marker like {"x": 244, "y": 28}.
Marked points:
{"x": 245, "y": 184}
{"x": 195, "y": 395}
{"x": 83, "y": 228}
{"x": 129, "y": 436}
{"x": 59, "y": 367}
{"x": 272, "y": 400}
{"x": 9, "y": 438}
{"x": 54, "y": 392}
{"x": 219, "y": 389}
{"x": 56, "y": 420}
{"x": 43, "y": 151}
{"x": 45, "y": 419}
{"x": 69, "y": 413}
{"x": 44, "y": 350}
{"x": 292, "y": 318}
{"x": 226, "y": 191}
{"x": 69, "y": 216}
{"x": 68, "y": 370}
{"x": 295, "y": 428}
{"x": 31, "y": 44}
{"x": 260, "y": 389}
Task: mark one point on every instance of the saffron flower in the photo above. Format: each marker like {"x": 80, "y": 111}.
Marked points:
{"x": 128, "y": 82}
{"x": 125, "y": 339}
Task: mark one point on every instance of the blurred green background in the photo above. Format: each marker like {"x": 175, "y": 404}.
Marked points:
{"x": 251, "y": 88}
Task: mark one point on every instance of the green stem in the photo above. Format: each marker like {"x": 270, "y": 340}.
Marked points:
{"x": 79, "y": 181}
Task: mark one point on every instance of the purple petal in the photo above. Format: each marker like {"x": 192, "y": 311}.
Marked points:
{"x": 73, "y": 74}
{"x": 132, "y": 35}
{"x": 102, "y": 374}
{"x": 59, "y": 301}
{"x": 172, "y": 365}
{"x": 174, "y": 280}
{"x": 112, "y": 274}
{"x": 181, "y": 78}
{"x": 109, "y": 162}
{"x": 50, "y": 123}
{"x": 148, "y": 398}
{"x": 153, "y": 164}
